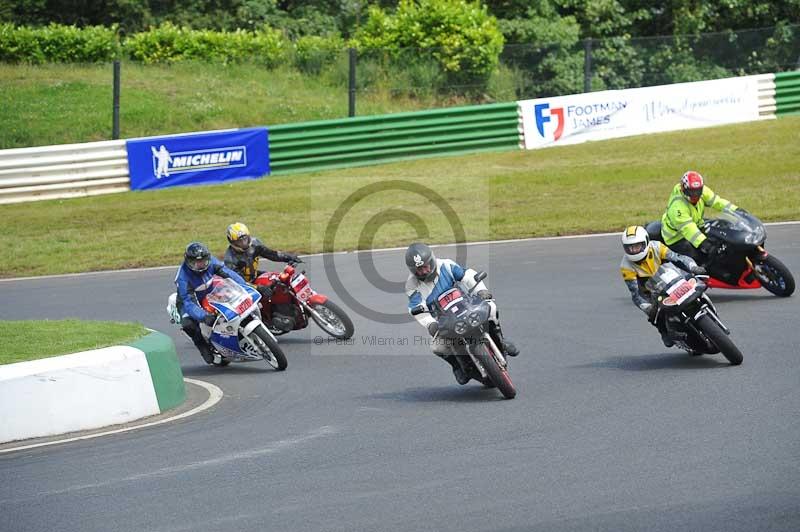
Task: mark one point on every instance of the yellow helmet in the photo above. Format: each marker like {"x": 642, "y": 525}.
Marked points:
{"x": 239, "y": 236}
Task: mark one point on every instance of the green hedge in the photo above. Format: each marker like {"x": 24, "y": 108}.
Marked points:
{"x": 169, "y": 43}
{"x": 164, "y": 44}
{"x": 57, "y": 44}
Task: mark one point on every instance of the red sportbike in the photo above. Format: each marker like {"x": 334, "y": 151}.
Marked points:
{"x": 293, "y": 301}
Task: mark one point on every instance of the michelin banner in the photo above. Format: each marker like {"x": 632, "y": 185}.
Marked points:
{"x": 196, "y": 159}
{"x": 620, "y": 113}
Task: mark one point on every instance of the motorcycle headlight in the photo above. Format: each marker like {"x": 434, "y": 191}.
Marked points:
{"x": 755, "y": 238}
{"x": 474, "y": 319}
{"x": 461, "y": 327}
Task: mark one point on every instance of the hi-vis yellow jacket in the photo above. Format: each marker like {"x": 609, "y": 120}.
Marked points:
{"x": 681, "y": 218}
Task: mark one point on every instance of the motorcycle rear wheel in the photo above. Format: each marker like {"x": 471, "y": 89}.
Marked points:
{"x": 279, "y": 362}
{"x": 712, "y": 330}
{"x": 498, "y": 375}
{"x": 333, "y": 320}
{"x": 775, "y": 276}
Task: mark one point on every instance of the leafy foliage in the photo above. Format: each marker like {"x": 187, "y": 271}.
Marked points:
{"x": 58, "y": 44}
{"x": 312, "y": 53}
{"x": 459, "y": 34}
{"x": 169, "y": 43}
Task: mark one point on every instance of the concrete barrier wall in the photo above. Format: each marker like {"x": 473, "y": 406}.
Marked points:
{"x": 88, "y": 390}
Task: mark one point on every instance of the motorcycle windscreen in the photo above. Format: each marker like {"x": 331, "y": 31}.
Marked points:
{"x": 736, "y": 227}
{"x": 666, "y": 275}
{"x": 231, "y": 299}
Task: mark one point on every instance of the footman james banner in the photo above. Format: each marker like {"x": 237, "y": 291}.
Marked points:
{"x": 195, "y": 159}
{"x": 620, "y": 113}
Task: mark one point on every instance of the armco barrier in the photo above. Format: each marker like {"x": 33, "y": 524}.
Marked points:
{"x": 72, "y": 170}
{"x": 787, "y": 93}
{"x": 766, "y": 96}
{"x": 367, "y": 140}
{"x": 63, "y": 171}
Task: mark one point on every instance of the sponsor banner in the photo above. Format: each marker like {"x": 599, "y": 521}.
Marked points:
{"x": 201, "y": 158}
{"x": 610, "y": 114}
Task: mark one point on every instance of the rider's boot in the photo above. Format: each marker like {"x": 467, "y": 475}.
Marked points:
{"x": 508, "y": 348}
{"x": 208, "y": 353}
{"x": 458, "y": 372}
{"x": 193, "y": 330}
{"x": 666, "y": 339}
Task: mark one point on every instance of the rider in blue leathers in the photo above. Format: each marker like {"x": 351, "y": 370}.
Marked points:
{"x": 194, "y": 283}
{"x": 431, "y": 277}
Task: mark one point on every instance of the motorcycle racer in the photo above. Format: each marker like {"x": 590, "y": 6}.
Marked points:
{"x": 679, "y": 224}
{"x": 193, "y": 281}
{"x": 640, "y": 261}
{"x": 429, "y": 278}
{"x": 244, "y": 251}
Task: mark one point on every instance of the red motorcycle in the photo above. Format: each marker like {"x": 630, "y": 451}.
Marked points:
{"x": 293, "y": 301}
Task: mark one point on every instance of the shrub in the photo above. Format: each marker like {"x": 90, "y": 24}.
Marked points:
{"x": 459, "y": 34}
{"x": 312, "y": 53}
{"x": 169, "y": 43}
{"x": 57, "y": 43}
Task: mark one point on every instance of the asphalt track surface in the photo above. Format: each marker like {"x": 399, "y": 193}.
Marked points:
{"x": 610, "y": 430}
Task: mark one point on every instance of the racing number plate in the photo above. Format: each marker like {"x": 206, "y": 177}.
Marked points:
{"x": 244, "y": 305}
{"x": 301, "y": 287}
{"x": 681, "y": 291}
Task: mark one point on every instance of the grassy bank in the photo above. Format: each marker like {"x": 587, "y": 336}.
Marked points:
{"x": 58, "y": 104}
{"x": 31, "y": 340}
{"x": 593, "y": 187}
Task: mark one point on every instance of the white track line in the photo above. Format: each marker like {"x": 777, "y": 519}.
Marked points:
{"x": 214, "y": 396}
{"x": 481, "y": 243}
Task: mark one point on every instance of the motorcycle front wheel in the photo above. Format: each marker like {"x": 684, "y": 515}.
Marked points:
{"x": 270, "y": 349}
{"x": 774, "y": 276}
{"x": 498, "y": 375}
{"x": 713, "y": 332}
{"x": 333, "y": 320}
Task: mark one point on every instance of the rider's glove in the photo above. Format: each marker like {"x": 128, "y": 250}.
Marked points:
{"x": 646, "y": 308}
{"x": 739, "y": 209}
{"x": 209, "y": 319}
{"x": 698, "y": 270}
{"x": 484, "y": 294}
{"x": 240, "y": 265}
{"x": 291, "y": 257}
{"x": 706, "y": 247}
{"x": 433, "y": 328}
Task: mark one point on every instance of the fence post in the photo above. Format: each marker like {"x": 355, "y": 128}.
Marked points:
{"x": 352, "y": 83}
{"x": 587, "y": 65}
{"x": 115, "y": 122}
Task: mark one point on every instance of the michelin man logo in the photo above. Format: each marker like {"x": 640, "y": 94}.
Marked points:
{"x": 418, "y": 262}
{"x": 163, "y": 158}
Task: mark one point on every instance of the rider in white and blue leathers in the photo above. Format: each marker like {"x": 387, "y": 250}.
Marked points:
{"x": 431, "y": 277}
{"x": 193, "y": 281}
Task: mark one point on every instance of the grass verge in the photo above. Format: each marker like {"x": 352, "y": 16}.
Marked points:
{"x": 31, "y": 340}
{"x": 592, "y": 187}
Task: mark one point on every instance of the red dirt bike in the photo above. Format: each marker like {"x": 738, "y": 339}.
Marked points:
{"x": 293, "y": 301}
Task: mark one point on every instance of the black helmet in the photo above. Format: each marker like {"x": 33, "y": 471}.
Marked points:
{"x": 197, "y": 257}
{"x": 421, "y": 262}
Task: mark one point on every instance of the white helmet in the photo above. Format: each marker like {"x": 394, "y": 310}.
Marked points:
{"x": 634, "y": 242}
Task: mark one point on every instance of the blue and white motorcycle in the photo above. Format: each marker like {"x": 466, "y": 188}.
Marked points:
{"x": 238, "y": 334}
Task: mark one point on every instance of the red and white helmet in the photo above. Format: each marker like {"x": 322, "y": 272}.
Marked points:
{"x": 692, "y": 186}
{"x": 635, "y": 241}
